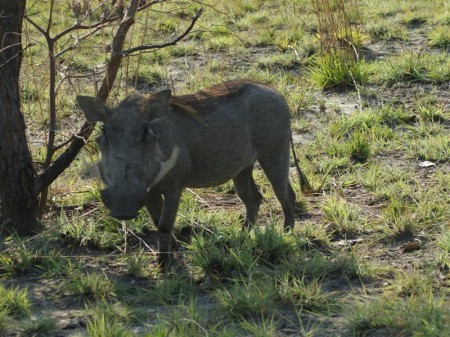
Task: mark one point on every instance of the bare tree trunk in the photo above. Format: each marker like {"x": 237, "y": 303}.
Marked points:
{"x": 18, "y": 202}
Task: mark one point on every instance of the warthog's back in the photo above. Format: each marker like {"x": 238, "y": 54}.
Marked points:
{"x": 227, "y": 127}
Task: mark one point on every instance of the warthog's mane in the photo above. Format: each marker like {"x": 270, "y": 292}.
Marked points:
{"x": 201, "y": 102}
{"x": 194, "y": 105}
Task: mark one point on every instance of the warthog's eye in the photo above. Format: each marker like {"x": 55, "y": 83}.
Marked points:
{"x": 148, "y": 135}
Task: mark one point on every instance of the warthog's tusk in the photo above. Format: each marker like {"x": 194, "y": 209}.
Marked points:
{"x": 166, "y": 166}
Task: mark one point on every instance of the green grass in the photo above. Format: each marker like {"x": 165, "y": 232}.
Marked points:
{"x": 246, "y": 297}
{"x": 42, "y": 326}
{"x": 102, "y": 325}
{"x": 344, "y": 268}
{"x": 91, "y": 286}
{"x": 305, "y": 295}
{"x": 337, "y": 71}
{"x": 416, "y": 316}
{"x": 443, "y": 254}
{"x": 433, "y": 148}
{"x": 412, "y": 67}
{"x": 439, "y": 37}
{"x": 385, "y": 31}
{"x": 221, "y": 254}
{"x": 344, "y": 216}
{"x": 15, "y": 302}
{"x": 265, "y": 328}
{"x": 170, "y": 290}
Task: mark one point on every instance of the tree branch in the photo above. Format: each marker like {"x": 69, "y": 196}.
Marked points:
{"x": 46, "y": 177}
{"x": 129, "y": 52}
{"x": 49, "y": 175}
{"x": 79, "y": 26}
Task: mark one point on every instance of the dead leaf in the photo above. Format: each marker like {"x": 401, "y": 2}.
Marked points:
{"x": 348, "y": 242}
{"x": 413, "y": 245}
{"x": 426, "y": 164}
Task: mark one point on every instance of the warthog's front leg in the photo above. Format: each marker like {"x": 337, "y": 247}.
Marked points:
{"x": 154, "y": 205}
{"x": 166, "y": 222}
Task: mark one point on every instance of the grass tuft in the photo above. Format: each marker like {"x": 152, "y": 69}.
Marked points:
{"x": 91, "y": 286}
{"x": 334, "y": 71}
{"x": 42, "y": 327}
{"x": 101, "y": 325}
{"x": 432, "y": 148}
{"x": 305, "y": 295}
{"x": 247, "y": 297}
{"x": 15, "y": 302}
{"x": 439, "y": 37}
{"x": 359, "y": 148}
{"x": 221, "y": 254}
{"x": 272, "y": 244}
{"x": 415, "y": 316}
{"x": 344, "y": 216}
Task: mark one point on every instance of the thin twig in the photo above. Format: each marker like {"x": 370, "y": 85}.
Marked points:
{"x": 199, "y": 197}
{"x": 16, "y": 55}
{"x": 130, "y": 51}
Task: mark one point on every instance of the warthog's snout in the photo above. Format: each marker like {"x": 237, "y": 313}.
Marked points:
{"x": 123, "y": 203}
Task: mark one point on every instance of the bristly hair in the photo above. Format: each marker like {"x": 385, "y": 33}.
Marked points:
{"x": 202, "y": 101}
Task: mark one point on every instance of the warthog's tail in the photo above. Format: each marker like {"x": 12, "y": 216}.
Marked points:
{"x": 304, "y": 183}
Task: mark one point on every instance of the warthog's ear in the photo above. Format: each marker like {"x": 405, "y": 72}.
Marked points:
{"x": 94, "y": 110}
{"x": 163, "y": 97}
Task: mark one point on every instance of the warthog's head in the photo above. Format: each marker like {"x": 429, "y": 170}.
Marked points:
{"x": 132, "y": 160}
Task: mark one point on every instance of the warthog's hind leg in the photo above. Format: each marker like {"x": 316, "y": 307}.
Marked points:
{"x": 276, "y": 168}
{"x": 247, "y": 190}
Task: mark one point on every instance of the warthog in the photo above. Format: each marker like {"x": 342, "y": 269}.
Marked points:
{"x": 154, "y": 146}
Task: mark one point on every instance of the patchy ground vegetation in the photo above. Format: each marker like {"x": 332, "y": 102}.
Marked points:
{"x": 370, "y": 253}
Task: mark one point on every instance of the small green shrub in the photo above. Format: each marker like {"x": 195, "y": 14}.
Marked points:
{"x": 170, "y": 290}
{"x": 15, "y": 302}
{"x": 101, "y": 325}
{"x": 305, "y": 295}
{"x": 387, "y": 32}
{"x": 432, "y": 148}
{"x": 415, "y": 316}
{"x": 90, "y": 286}
{"x": 359, "y": 147}
{"x": 439, "y": 37}
{"x": 272, "y": 244}
{"x": 337, "y": 71}
{"x": 344, "y": 216}
{"x": 412, "y": 67}
{"x": 247, "y": 297}
{"x": 42, "y": 327}
{"x": 222, "y": 254}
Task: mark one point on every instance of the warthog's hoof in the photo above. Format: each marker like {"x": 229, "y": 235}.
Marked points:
{"x": 164, "y": 262}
